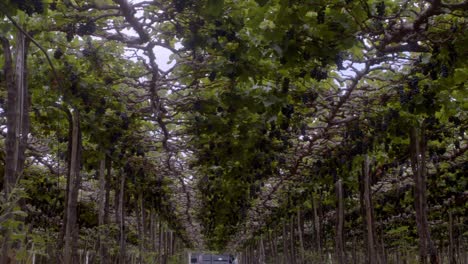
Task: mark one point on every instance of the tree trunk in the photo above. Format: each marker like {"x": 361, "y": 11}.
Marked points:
{"x": 153, "y": 229}
{"x": 17, "y": 112}
{"x": 367, "y": 211}
{"x": 383, "y": 252}
{"x": 292, "y": 244}
{"x": 354, "y": 255}
{"x": 285, "y": 244}
{"x": 168, "y": 244}
{"x": 74, "y": 180}
{"x": 339, "y": 236}
{"x": 418, "y": 166}
{"x": 253, "y": 258}
{"x": 61, "y": 239}
{"x": 246, "y": 255}
{"x": 273, "y": 246}
{"x": 301, "y": 236}
{"x": 164, "y": 246}
{"x": 317, "y": 226}
{"x": 117, "y": 203}
{"x": 160, "y": 244}
{"x": 122, "y": 256}
{"x": 173, "y": 243}
{"x": 261, "y": 250}
{"x": 17, "y": 124}
{"x": 143, "y": 223}
{"x": 452, "y": 258}
{"x": 462, "y": 252}
{"x": 107, "y": 203}
{"x": 102, "y": 213}
{"x": 141, "y": 236}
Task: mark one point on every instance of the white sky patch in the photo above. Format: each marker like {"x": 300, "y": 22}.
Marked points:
{"x": 163, "y": 58}
{"x": 162, "y": 54}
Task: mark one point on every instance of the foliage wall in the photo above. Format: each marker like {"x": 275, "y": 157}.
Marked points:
{"x": 282, "y": 130}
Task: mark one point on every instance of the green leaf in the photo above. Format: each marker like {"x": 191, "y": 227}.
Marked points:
{"x": 398, "y": 231}
{"x": 261, "y": 2}
{"x": 213, "y": 8}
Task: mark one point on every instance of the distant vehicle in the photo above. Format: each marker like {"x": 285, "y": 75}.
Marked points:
{"x": 201, "y": 258}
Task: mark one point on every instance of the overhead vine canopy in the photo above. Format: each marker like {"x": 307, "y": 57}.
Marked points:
{"x": 314, "y": 123}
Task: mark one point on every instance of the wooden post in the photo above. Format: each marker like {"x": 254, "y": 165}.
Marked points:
{"x": 301, "y": 236}
{"x": 339, "y": 236}
{"x": 71, "y": 230}
{"x": 418, "y": 166}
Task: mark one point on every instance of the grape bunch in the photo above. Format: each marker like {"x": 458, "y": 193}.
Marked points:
{"x": 74, "y": 80}
{"x": 180, "y": 5}
{"x": 319, "y": 74}
{"x": 309, "y": 97}
{"x": 86, "y": 29}
{"x": 413, "y": 85}
{"x": 89, "y": 52}
{"x": 455, "y": 120}
{"x": 339, "y": 61}
{"x": 429, "y": 97}
{"x": 302, "y": 74}
{"x": 444, "y": 72}
{"x": 287, "y": 111}
{"x": 58, "y": 53}
{"x": 404, "y": 99}
{"x": 380, "y": 9}
{"x": 321, "y": 16}
{"x": 434, "y": 75}
{"x": 70, "y": 31}
{"x": 30, "y": 6}
{"x": 452, "y": 53}
{"x": 431, "y": 122}
{"x": 212, "y": 76}
{"x": 38, "y": 6}
{"x": 285, "y": 85}
{"x": 53, "y": 6}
